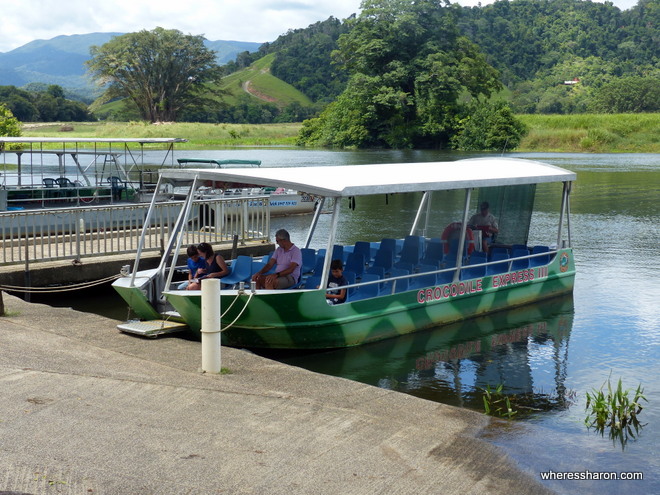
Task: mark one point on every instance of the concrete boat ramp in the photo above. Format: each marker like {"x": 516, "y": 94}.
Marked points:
{"x": 88, "y": 409}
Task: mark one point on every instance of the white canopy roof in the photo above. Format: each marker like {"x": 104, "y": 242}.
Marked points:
{"x": 364, "y": 180}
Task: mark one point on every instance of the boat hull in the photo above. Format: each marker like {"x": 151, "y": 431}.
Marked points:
{"x": 303, "y": 320}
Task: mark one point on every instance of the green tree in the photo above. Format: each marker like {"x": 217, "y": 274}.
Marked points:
{"x": 409, "y": 70}
{"x": 162, "y": 71}
{"x": 489, "y": 126}
{"x": 628, "y": 95}
{"x": 9, "y": 125}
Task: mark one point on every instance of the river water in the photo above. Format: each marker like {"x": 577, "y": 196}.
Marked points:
{"x": 548, "y": 356}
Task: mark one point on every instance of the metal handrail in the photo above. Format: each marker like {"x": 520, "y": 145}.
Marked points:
{"x": 41, "y": 235}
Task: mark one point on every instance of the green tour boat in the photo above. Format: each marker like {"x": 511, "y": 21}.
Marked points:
{"x": 426, "y": 277}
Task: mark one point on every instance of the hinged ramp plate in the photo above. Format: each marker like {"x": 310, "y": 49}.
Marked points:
{"x": 152, "y": 328}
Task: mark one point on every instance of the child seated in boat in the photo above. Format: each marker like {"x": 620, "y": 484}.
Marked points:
{"x": 336, "y": 280}
{"x": 215, "y": 266}
{"x": 195, "y": 262}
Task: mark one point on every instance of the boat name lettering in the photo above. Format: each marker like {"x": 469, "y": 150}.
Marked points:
{"x": 283, "y": 203}
{"x": 449, "y": 290}
{"x": 513, "y": 278}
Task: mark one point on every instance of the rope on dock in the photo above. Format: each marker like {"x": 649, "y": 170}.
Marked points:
{"x": 239, "y": 314}
{"x": 67, "y": 288}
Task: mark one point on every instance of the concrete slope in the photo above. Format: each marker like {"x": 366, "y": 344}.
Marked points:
{"x": 87, "y": 409}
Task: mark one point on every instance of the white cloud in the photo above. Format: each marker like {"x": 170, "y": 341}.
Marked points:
{"x": 240, "y": 20}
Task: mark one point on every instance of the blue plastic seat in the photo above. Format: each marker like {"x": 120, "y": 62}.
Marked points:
{"x": 355, "y": 263}
{"x": 318, "y": 267}
{"x": 497, "y": 251}
{"x": 312, "y": 282}
{"x": 434, "y": 253}
{"x": 519, "y": 264}
{"x": 384, "y": 258}
{"x": 388, "y": 243}
{"x": 501, "y": 267}
{"x": 400, "y": 285}
{"x": 429, "y": 279}
{"x": 308, "y": 260}
{"x": 368, "y": 291}
{"x": 363, "y": 248}
{"x": 540, "y": 260}
{"x": 470, "y": 272}
{"x": 241, "y": 271}
{"x": 478, "y": 257}
{"x": 350, "y": 278}
{"x": 446, "y": 277}
{"x": 338, "y": 252}
{"x": 375, "y": 270}
{"x": 410, "y": 254}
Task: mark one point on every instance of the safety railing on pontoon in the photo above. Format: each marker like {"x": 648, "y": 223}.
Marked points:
{"x": 73, "y": 233}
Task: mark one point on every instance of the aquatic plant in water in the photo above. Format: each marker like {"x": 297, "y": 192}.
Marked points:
{"x": 615, "y": 410}
{"x": 496, "y": 403}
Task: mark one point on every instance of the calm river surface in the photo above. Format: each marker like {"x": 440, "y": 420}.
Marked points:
{"x": 550, "y": 354}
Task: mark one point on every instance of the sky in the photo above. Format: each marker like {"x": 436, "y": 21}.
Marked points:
{"x": 238, "y": 20}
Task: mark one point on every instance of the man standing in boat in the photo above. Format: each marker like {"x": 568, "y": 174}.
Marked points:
{"x": 289, "y": 260}
{"x": 484, "y": 221}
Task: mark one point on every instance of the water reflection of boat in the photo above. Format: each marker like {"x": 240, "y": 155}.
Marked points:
{"x": 525, "y": 349}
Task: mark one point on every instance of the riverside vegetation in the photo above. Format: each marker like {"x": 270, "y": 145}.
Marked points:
{"x": 591, "y": 133}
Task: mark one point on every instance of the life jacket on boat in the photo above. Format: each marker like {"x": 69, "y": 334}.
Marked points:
{"x": 452, "y": 231}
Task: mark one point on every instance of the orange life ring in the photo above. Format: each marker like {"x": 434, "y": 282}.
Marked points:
{"x": 455, "y": 228}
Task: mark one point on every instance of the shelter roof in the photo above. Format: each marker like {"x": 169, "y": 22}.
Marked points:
{"x": 388, "y": 178}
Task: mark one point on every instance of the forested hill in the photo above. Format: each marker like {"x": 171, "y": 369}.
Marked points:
{"x": 524, "y": 37}
{"x": 537, "y": 45}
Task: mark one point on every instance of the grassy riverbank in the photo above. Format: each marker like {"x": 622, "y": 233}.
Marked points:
{"x": 621, "y": 133}
{"x": 592, "y": 133}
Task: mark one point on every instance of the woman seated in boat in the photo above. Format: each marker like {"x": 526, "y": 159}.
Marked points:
{"x": 289, "y": 260}
{"x": 215, "y": 266}
{"x": 485, "y": 222}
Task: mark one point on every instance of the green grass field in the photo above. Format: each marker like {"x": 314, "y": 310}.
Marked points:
{"x": 622, "y": 133}
{"x": 594, "y": 133}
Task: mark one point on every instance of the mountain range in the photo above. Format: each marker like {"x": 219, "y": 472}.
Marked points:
{"x": 61, "y": 60}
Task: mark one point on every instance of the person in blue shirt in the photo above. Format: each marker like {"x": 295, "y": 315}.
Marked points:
{"x": 214, "y": 266}
{"x": 195, "y": 262}
{"x": 336, "y": 280}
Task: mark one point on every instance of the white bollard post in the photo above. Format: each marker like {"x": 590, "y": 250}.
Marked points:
{"x": 211, "y": 325}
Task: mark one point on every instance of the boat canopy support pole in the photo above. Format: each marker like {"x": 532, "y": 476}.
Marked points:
{"x": 80, "y": 169}
{"x": 315, "y": 220}
{"x": 183, "y": 219}
{"x": 422, "y": 203}
{"x": 428, "y": 213}
{"x": 145, "y": 228}
{"x": 568, "y": 214}
{"x": 461, "y": 239}
{"x": 562, "y": 212}
{"x": 331, "y": 243}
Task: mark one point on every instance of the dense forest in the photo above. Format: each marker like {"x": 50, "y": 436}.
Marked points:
{"x": 43, "y": 103}
{"x": 554, "y": 56}
{"x": 549, "y": 57}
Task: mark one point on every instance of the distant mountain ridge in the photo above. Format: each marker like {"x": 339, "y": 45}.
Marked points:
{"x": 61, "y": 60}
